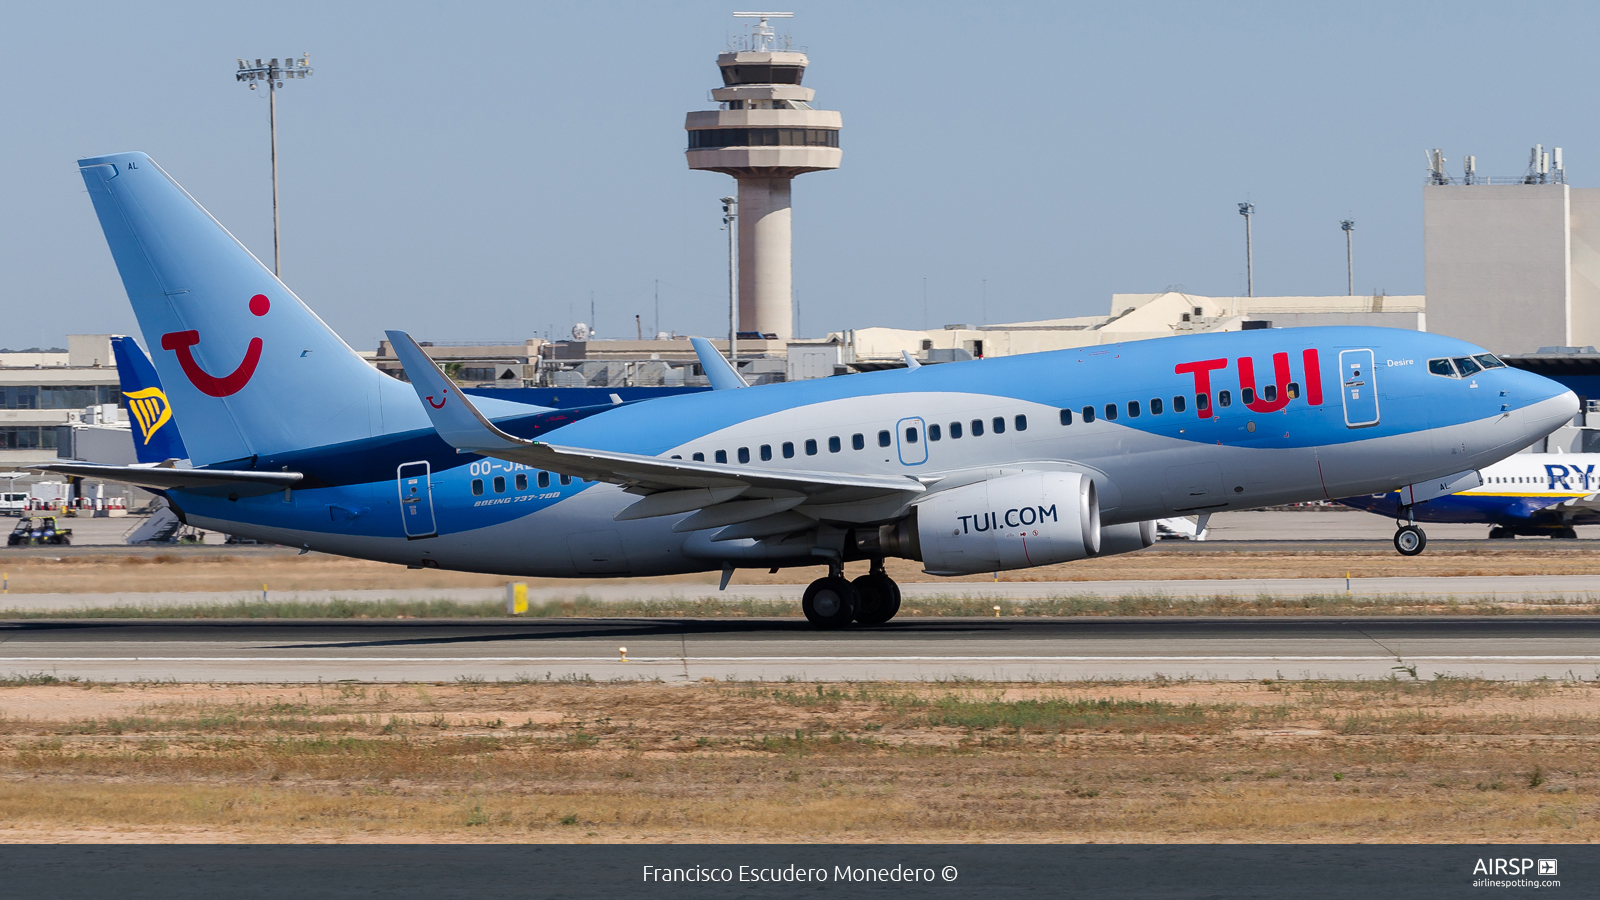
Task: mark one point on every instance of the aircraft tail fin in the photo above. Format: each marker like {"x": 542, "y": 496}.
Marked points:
{"x": 155, "y": 434}
{"x": 250, "y": 370}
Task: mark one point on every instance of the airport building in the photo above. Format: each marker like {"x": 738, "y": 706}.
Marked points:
{"x": 1512, "y": 262}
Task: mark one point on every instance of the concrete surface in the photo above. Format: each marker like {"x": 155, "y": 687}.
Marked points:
{"x": 686, "y": 650}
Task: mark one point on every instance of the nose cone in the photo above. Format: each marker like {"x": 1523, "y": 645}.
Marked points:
{"x": 1546, "y": 404}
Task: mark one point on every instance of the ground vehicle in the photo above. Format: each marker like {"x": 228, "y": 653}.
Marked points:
{"x": 12, "y": 504}
{"x": 35, "y": 530}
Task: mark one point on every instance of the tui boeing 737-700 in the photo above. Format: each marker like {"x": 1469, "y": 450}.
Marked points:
{"x": 978, "y": 466}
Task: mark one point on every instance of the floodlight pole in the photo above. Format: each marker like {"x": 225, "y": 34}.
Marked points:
{"x": 730, "y": 218}
{"x": 274, "y": 73}
{"x": 1247, "y": 210}
{"x": 1349, "y": 226}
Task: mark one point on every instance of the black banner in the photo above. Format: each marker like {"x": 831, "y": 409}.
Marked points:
{"x": 668, "y": 872}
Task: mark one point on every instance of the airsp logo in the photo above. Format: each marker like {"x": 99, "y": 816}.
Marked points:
{"x": 1504, "y": 866}
{"x": 150, "y": 409}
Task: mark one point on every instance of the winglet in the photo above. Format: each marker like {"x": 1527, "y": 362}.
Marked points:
{"x": 722, "y": 373}
{"x": 452, "y": 414}
{"x": 911, "y": 361}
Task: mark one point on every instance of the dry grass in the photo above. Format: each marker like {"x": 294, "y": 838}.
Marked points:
{"x": 283, "y": 570}
{"x": 1451, "y": 760}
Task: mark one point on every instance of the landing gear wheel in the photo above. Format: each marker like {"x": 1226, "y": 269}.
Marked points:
{"x": 829, "y": 602}
{"x": 1410, "y": 540}
{"x": 879, "y": 598}
{"x": 1565, "y": 533}
{"x": 1501, "y": 534}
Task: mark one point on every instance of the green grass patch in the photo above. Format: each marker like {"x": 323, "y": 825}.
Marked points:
{"x": 1073, "y": 714}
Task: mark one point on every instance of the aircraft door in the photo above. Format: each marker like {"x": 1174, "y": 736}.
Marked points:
{"x": 416, "y": 500}
{"x": 1358, "y": 382}
{"x": 912, "y": 438}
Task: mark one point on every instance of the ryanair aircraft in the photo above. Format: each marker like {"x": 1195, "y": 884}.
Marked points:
{"x": 968, "y": 467}
{"x": 1529, "y": 494}
{"x": 156, "y": 438}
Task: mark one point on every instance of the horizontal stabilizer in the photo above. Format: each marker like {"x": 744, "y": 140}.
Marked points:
{"x": 159, "y": 478}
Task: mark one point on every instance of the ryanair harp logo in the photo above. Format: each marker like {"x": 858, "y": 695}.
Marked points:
{"x": 150, "y": 409}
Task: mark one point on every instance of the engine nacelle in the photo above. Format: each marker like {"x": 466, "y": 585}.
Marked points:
{"x": 1014, "y": 522}
{"x": 1127, "y": 537}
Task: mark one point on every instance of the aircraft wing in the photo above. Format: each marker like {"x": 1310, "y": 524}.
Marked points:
{"x": 158, "y": 478}
{"x": 685, "y": 485}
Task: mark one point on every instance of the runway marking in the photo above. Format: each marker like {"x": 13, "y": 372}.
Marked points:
{"x": 710, "y": 659}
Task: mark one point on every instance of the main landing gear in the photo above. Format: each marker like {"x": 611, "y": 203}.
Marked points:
{"x": 834, "y": 601}
{"x": 1409, "y": 539}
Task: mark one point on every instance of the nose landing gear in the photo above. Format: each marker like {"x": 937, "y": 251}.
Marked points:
{"x": 1409, "y": 540}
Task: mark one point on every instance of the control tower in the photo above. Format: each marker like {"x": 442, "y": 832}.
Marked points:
{"x": 763, "y": 134}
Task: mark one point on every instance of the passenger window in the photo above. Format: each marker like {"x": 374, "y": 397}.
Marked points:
{"x": 858, "y": 441}
{"x": 1133, "y": 409}
{"x": 1066, "y": 417}
{"x": 1248, "y": 395}
{"x": 885, "y": 438}
{"x": 1270, "y": 393}
{"x": 699, "y": 457}
{"x": 1021, "y": 422}
{"x": 955, "y": 430}
{"x": 977, "y": 428}
{"x": 788, "y": 449}
{"x": 999, "y": 423}
{"x": 935, "y": 432}
{"x": 522, "y": 482}
{"x": 744, "y": 454}
{"x": 811, "y": 446}
{"x": 1202, "y": 402}
{"x": 911, "y": 435}
{"x": 499, "y": 484}
{"x": 1441, "y": 367}
{"x": 722, "y": 456}
{"x": 1488, "y": 361}
{"x": 1088, "y": 414}
{"x": 677, "y": 456}
{"x": 1155, "y": 406}
{"x": 1467, "y": 366}
{"x": 566, "y": 479}
{"x": 1111, "y": 412}
{"x": 544, "y": 479}
{"x": 766, "y": 452}
{"x": 477, "y": 487}
{"x": 1294, "y": 390}
{"x": 1178, "y": 403}
{"x": 1224, "y": 399}
{"x": 833, "y": 444}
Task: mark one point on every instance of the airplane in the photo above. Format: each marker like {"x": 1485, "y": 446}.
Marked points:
{"x": 978, "y": 466}
{"x": 1526, "y": 494}
{"x": 157, "y": 439}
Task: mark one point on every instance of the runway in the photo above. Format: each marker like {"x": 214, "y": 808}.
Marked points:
{"x": 689, "y": 650}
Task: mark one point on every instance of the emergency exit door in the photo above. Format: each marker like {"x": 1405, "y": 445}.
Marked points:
{"x": 1358, "y": 383}
{"x": 416, "y": 500}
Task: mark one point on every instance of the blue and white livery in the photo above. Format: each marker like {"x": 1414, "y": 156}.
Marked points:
{"x": 969, "y": 467}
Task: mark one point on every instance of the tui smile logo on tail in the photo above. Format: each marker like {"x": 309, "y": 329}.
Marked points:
{"x": 180, "y": 343}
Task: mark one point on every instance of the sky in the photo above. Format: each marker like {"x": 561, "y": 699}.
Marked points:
{"x": 480, "y": 171}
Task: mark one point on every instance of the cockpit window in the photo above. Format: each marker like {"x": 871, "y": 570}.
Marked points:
{"x": 1467, "y": 366}
{"x": 1441, "y": 367}
{"x": 1488, "y": 361}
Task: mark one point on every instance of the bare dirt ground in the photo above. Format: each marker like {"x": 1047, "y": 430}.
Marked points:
{"x": 1396, "y": 761}
{"x": 285, "y": 571}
